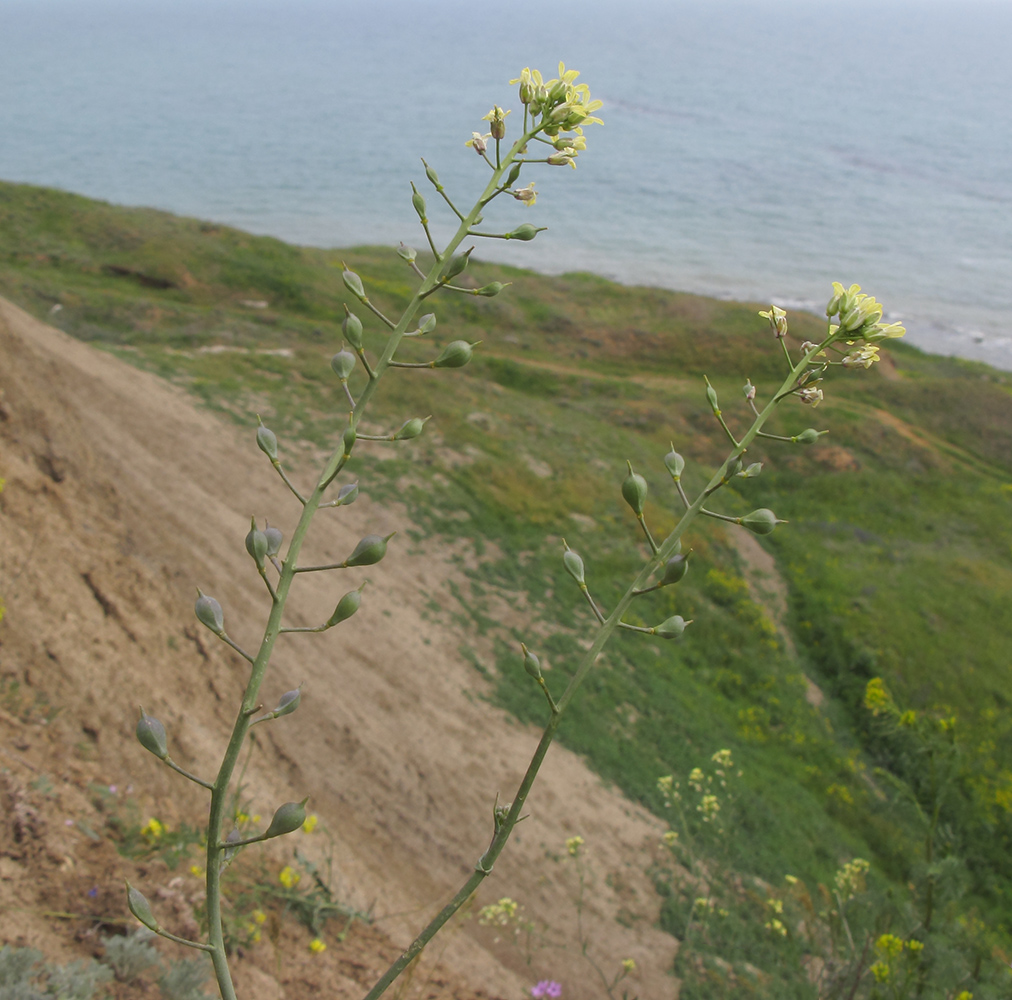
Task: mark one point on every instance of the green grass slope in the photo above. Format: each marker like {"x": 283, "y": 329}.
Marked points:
{"x": 896, "y": 563}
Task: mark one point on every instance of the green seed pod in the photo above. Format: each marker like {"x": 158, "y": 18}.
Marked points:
{"x": 140, "y": 907}
{"x": 752, "y": 471}
{"x": 490, "y": 290}
{"x": 419, "y": 202}
{"x": 834, "y": 303}
{"x": 455, "y": 355}
{"x": 433, "y": 177}
{"x": 407, "y": 253}
{"x": 674, "y": 463}
{"x": 274, "y": 540}
{"x": 511, "y": 177}
{"x": 351, "y": 327}
{"x": 347, "y": 494}
{"x": 525, "y": 232}
{"x": 287, "y": 819}
{"x": 352, "y": 282}
{"x": 411, "y": 428}
{"x": 634, "y": 490}
{"x": 427, "y": 324}
{"x": 288, "y": 703}
{"x": 573, "y": 564}
{"x": 256, "y": 543}
{"x": 674, "y": 570}
{"x": 760, "y": 522}
{"x": 151, "y": 735}
{"x": 208, "y": 612}
{"x": 348, "y": 439}
{"x": 369, "y": 550}
{"x": 346, "y": 607}
{"x": 267, "y": 442}
{"x": 711, "y": 396}
{"x": 808, "y": 436}
{"x": 672, "y": 628}
{"x": 456, "y": 265}
{"x": 343, "y": 364}
{"x": 531, "y": 663}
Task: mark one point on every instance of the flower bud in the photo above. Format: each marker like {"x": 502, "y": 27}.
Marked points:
{"x": 267, "y": 442}
{"x": 711, "y": 396}
{"x": 151, "y": 735}
{"x": 634, "y": 490}
{"x": 411, "y": 428}
{"x": 208, "y": 612}
{"x": 352, "y": 282}
{"x": 351, "y": 327}
{"x": 752, "y": 471}
{"x": 455, "y": 355}
{"x": 427, "y": 324}
{"x": 834, "y": 303}
{"x": 672, "y": 628}
{"x": 433, "y": 177}
{"x": 274, "y": 540}
{"x": 674, "y": 570}
{"x": 288, "y": 703}
{"x": 407, "y": 253}
{"x": 760, "y": 522}
{"x": 674, "y": 463}
{"x": 525, "y": 232}
{"x": 347, "y": 606}
{"x": 141, "y": 908}
{"x": 419, "y": 202}
{"x": 287, "y": 819}
{"x": 343, "y": 364}
{"x": 369, "y": 550}
{"x": 573, "y": 564}
{"x": 808, "y": 436}
{"x": 348, "y": 440}
{"x": 256, "y": 544}
{"x": 514, "y": 173}
{"x": 749, "y": 389}
{"x": 456, "y": 265}
{"x": 561, "y": 160}
{"x": 347, "y": 494}
{"x": 490, "y": 290}
{"x": 531, "y": 663}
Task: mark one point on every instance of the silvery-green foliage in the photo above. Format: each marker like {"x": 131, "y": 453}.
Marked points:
{"x": 185, "y": 979}
{"x": 128, "y": 955}
{"x": 76, "y": 981}
{"x": 18, "y": 974}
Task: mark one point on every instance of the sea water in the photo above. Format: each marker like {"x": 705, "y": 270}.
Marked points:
{"x": 754, "y": 150}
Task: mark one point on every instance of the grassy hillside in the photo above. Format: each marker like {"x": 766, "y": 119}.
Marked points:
{"x": 896, "y": 564}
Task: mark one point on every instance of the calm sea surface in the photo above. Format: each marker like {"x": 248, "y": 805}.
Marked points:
{"x": 750, "y": 149}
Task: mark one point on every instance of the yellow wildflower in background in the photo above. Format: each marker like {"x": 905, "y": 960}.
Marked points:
{"x": 628, "y": 965}
{"x": 573, "y": 845}
{"x": 152, "y": 830}
{"x": 310, "y": 823}
{"x": 316, "y": 946}
{"x": 289, "y": 877}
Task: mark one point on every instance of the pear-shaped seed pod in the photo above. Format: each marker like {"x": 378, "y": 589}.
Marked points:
{"x": 427, "y": 323}
{"x": 141, "y": 908}
{"x": 455, "y": 355}
{"x": 735, "y": 468}
{"x": 256, "y": 544}
{"x": 347, "y": 494}
{"x": 288, "y": 703}
{"x": 711, "y": 398}
{"x": 274, "y": 540}
{"x": 267, "y": 442}
{"x": 411, "y": 428}
{"x": 369, "y": 550}
{"x": 346, "y": 607}
{"x": 353, "y": 283}
{"x": 511, "y": 177}
{"x": 490, "y": 290}
{"x": 674, "y": 463}
{"x": 287, "y": 819}
{"x": 343, "y": 364}
{"x": 672, "y": 628}
{"x": 456, "y": 265}
{"x": 574, "y": 565}
{"x": 433, "y": 177}
{"x": 351, "y": 327}
{"x": 408, "y": 253}
{"x": 675, "y": 569}
{"x": 151, "y": 735}
{"x": 525, "y": 232}
{"x": 634, "y": 490}
{"x": 808, "y": 436}
{"x": 348, "y": 439}
{"x": 761, "y": 522}
{"x": 531, "y": 663}
{"x": 419, "y": 203}
{"x": 208, "y": 612}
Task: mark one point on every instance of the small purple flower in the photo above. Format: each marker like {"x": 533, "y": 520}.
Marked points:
{"x": 112, "y": 789}
{"x": 93, "y": 893}
{"x": 547, "y": 988}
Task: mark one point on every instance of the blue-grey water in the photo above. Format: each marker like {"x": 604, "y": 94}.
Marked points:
{"x": 751, "y": 149}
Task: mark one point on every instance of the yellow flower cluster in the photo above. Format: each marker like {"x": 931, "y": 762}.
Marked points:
{"x": 850, "y": 879}
{"x": 316, "y": 946}
{"x": 289, "y": 877}
{"x": 153, "y": 830}
{"x": 573, "y": 845}
{"x": 502, "y": 913}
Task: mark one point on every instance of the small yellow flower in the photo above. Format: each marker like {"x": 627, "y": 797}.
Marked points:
{"x": 310, "y": 823}
{"x": 889, "y": 945}
{"x": 289, "y": 877}
{"x": 526, "y": 194}
{"x": 791, "y": 879}
{"x": 670, "y": 838}
{"x": 240, "y": 818}
{"x": 573, "y": 845}
{"x": 259, "y": 916}
{"x": 152, "y": 830}
{"x": 628, "y": 965}
{"x": 965, "y": 995}
{"x": 880, "y": 971}
{"x": 915, "y": 946}
{"x": 197, "y": 870}
{"x": 316, "y": 946}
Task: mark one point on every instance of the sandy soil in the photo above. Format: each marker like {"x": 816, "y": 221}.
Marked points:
{"x": 121, "y": 497}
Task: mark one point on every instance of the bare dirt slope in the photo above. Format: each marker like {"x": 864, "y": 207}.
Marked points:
{"x": 121, "y": 496}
